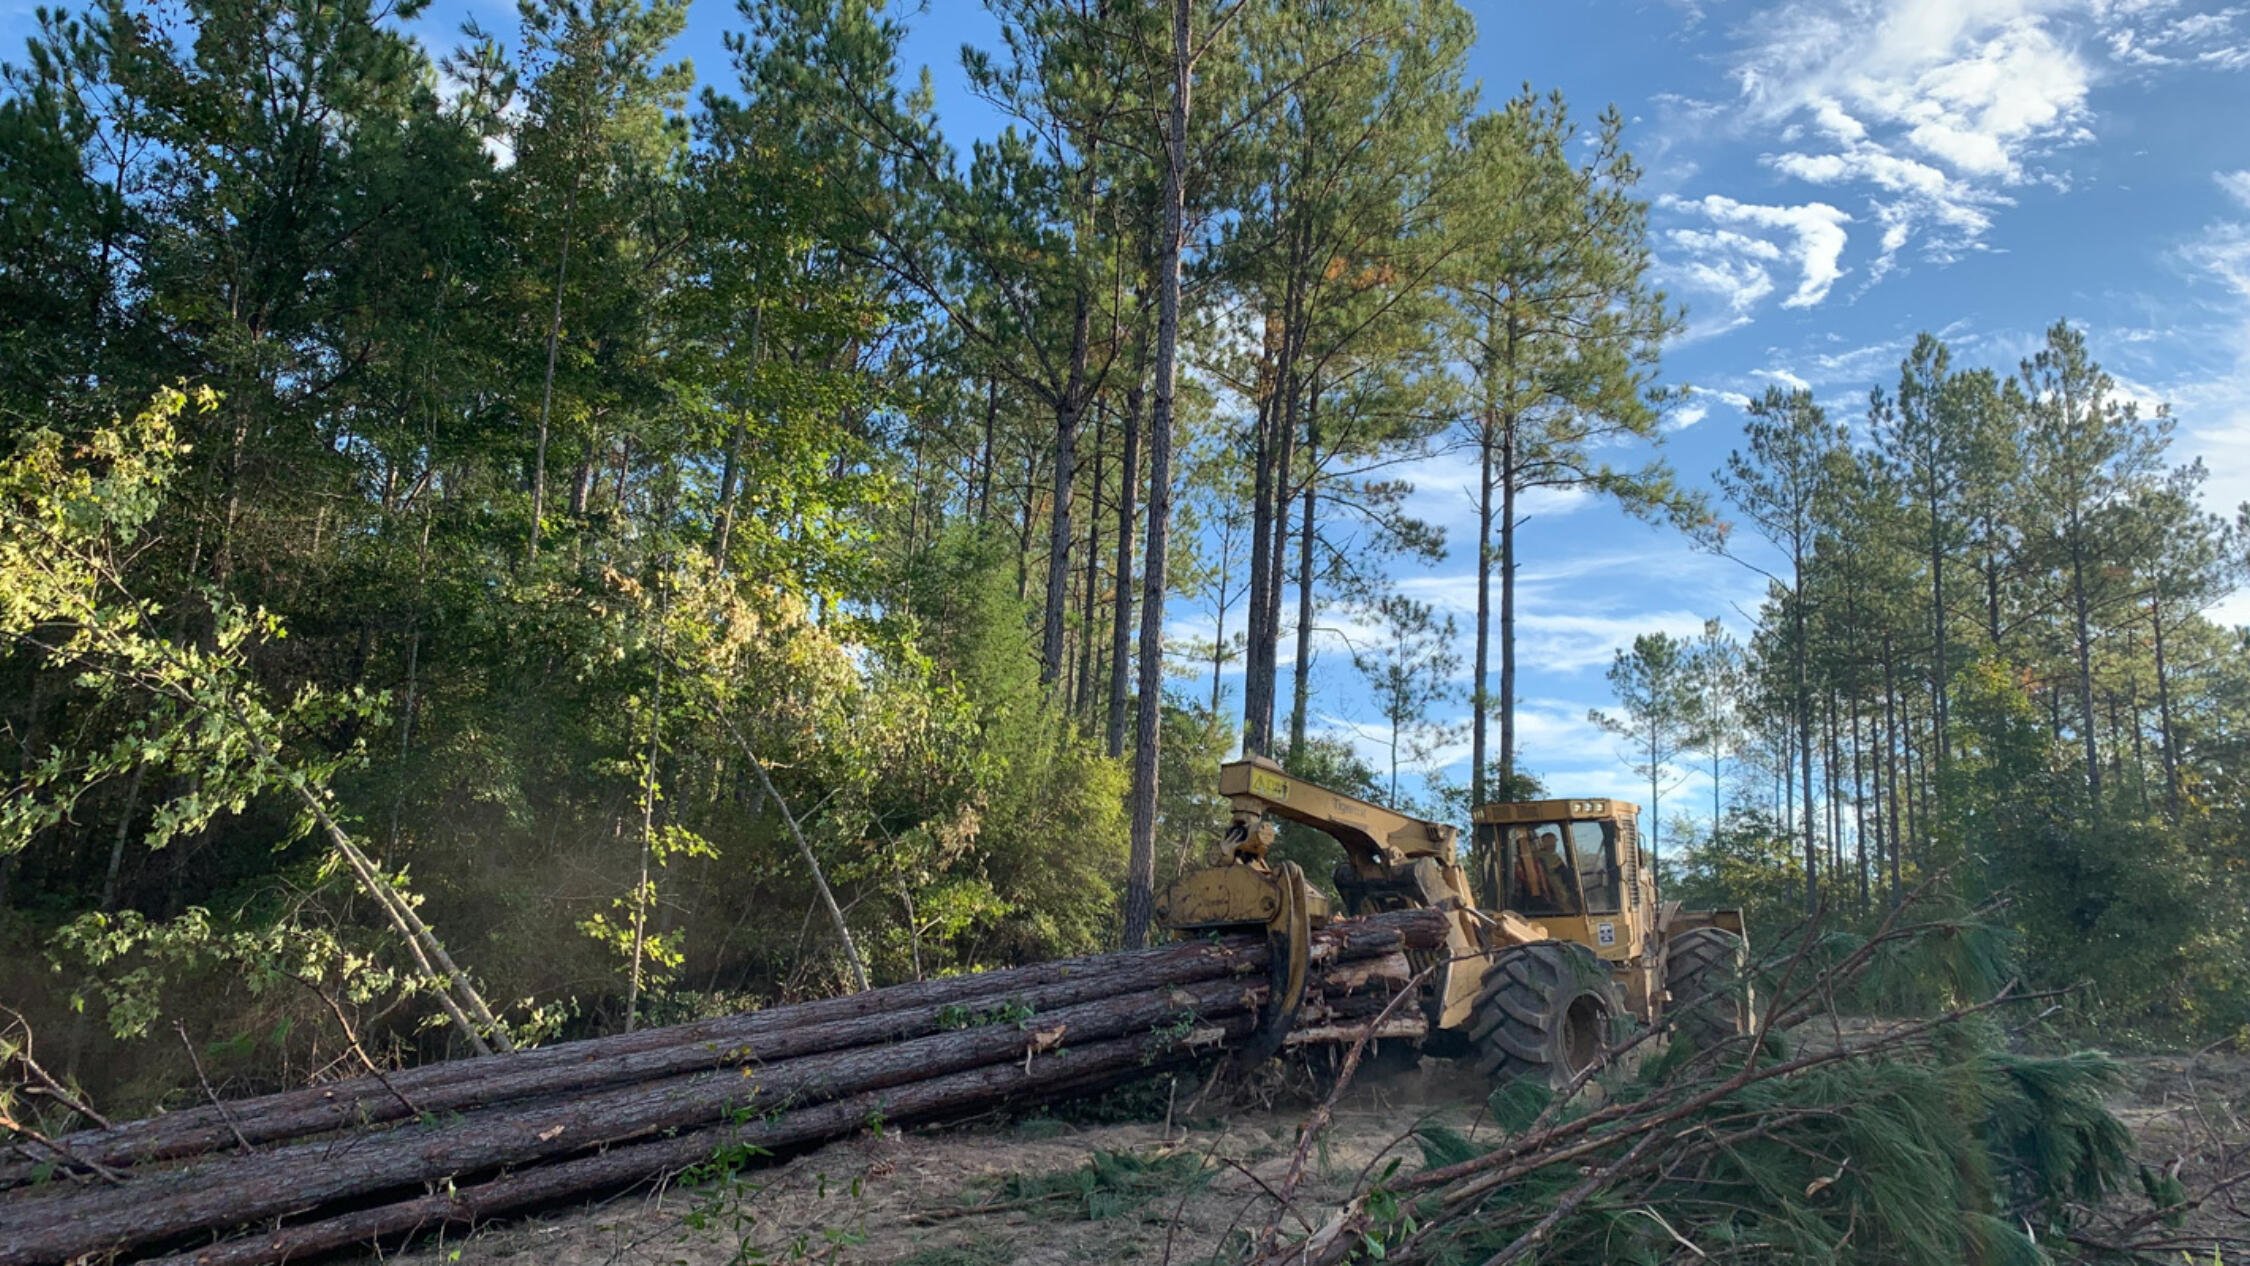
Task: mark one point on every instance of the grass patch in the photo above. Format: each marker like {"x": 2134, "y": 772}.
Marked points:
{"x": 979, "y": 1250}
{"x": 1037, "y": 1128}
{"x": 1111, "y": 1184}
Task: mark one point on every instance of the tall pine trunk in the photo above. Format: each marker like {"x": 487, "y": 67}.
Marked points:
{"x": 1507, "y": 700}
{"x": 547, "y": 386}
{"x": 1805, "y": 736}
{"x": 722, "y": 531}
{"x": 2164, "y": 711}
{"x": 1140, "y": 875}
{"x": 1480, "y": 697}
{"x": 1939, "y": 667}
{"x": 1890, "y": 762}
{"x": 2082, "y": 627}
{"x": 1120, "y": 630}
{"x": 1262, "y": 510}
{"x": 1089, "y": 589}
{"x": 1300, "y": 680}
{"x": 1859, "y": 799}
{"x": 1069, "y": 405}
{"x": 1277, "y": 564}
{"x": 984, "y": 467}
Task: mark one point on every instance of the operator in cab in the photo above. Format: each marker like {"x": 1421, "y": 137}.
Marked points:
{"x": 1542, "y": 876}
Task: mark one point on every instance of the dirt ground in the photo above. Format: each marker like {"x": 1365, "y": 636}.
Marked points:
{"x": 2190, "y": 1117}
{"x": 1024, "y": 1191}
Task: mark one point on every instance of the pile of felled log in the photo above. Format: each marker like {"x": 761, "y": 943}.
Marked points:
{"x": 378, "y": 1158}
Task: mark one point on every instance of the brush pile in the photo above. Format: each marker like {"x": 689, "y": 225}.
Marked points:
{"x": 1941, "y": 1129}
{"x": 306, "y": 1171}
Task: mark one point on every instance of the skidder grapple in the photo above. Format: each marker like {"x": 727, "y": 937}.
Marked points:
{"x": 1557, "y": 939}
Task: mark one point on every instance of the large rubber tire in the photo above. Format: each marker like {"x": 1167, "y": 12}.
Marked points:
{"x": 1708, "y": 963}
{"x": 1545, "y": 1012}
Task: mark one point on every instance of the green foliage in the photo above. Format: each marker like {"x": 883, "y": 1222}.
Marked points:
{"x": 69, "y": 521}
{"x": 1113, "y": 1184}
{"x": 982, "y": 1250}
{"x": 613, "y": 488}
{"x": 1963, "y": 1152}
{"x": 1751, "y": 863}
{"x": 127, "y": 962}
{"x": 1409, "y": 669}
{"x": 1971, "y": 672}
{"x": 958, "y": 1016}
{"x": 1659, "y": 705}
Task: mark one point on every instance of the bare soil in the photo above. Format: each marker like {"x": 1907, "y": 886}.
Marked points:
{"x": 982, "y": 1195}
{"x": 2190, "y": 1118}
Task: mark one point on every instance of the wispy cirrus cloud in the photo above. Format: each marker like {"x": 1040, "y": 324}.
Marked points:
{"x": 2214, "y": 399}
{"x": 2157, "y": 34}
{"x": 1936, "y": 116}
{"x": 1935, "y": 109}
{"x": 1736, "y": 259}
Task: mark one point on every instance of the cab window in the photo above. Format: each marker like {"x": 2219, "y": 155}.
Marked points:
{"x": 1537, "y": 872}
{"x": 1592, "y": 846}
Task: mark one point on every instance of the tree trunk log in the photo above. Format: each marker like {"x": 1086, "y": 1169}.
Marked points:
{"x": 883, "y": 1015}
{"x": 940, "y": 1097}
{"x": 590, "y": 1063}
{"x": 675, "y": 1087}
{"x": 226, "y": 1191}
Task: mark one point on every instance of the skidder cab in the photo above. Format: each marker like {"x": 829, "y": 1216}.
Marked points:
{"x": 1558, "y": 941}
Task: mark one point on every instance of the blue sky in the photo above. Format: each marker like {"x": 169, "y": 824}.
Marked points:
{"x": 1828, "y": 179}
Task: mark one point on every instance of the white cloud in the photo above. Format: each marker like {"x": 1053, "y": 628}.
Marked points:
{"x": 1734, "y": 260}
{"x": 2146, "y": 37}
{"x": 2236, "y": 184}
{"x": 1864, "y": 162}
{"x": 1938, "y": 113}
{"x": 1554, "y": 732}
{"x": 1937, "y": 107}
{"x": 1573, "y": 640}
{"x": 2233, "y": 612}
{"x": 1972, "y": 84}
{"x": 2214, "y": 403}
{"x": 2221, "y": 253}
{"x": 1688, "y": 415}
{"x": 1855, "y": 366}
{"x": 1932, "y": 108}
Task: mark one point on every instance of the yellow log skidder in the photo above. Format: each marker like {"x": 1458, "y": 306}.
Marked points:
{"x": 1557, "y": 937}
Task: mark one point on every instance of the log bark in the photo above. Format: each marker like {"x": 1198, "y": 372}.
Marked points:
{"x": 504, "y": 1079}
{"x": 575, "y": 1065}
{"x": 231, "y": 1190}
{"x": 222, "y": 1191}
{"x": 895, "y": 1013}
{"x": 1064, "y": 1072}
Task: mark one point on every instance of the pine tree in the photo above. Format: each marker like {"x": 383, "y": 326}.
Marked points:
{"x": 2087, "y": 455}
{"x": 1780, "y": 484}
{"x": 1561, "y": 328}
{"x": 1656, "y": 688}
{"x": 1409, "y": 665}
{"x": 1716, "y": 668}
